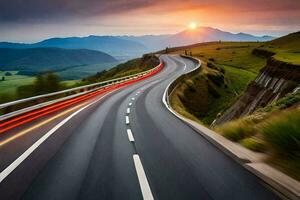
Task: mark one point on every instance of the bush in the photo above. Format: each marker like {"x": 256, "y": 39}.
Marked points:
{"x": 283, "y": 133}
{"x": 237, "y": 130}
{"x": 253, "y": 144}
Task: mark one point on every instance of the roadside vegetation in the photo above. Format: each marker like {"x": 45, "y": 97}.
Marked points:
{"x": 227, "y": 69}
{"x": 274, "y": 130}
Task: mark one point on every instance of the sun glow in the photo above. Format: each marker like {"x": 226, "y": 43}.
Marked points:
{"x": 192, "y": 25}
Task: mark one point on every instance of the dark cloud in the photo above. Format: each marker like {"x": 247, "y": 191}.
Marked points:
{"x": 22, "y": 10}
{"x": 38, "y": 10}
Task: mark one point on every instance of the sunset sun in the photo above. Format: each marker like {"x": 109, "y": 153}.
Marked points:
{"x": 192, "y": 25}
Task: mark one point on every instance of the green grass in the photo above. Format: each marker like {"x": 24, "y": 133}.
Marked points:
{"x": 253, "y": 144}
{"x": 282, "y": 132}
{"x": 286, "y": 49}
{"x": 235, "y": 54}
{"x": 11, "y": 83}
{"x": 236, "y": 81}
{"x": 288, "y": 57}
{"x": 237, "y": 130}
{"x": 205, "y": 95}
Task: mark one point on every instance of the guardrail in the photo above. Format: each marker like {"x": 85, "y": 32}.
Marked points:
{"x": 51, "y": 98}
{"x": 182, "y": 77}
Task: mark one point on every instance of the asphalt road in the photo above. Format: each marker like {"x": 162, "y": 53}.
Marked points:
{"x": 100, "y": 153}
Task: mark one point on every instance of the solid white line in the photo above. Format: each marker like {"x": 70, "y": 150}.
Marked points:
{"x": 146, "y": 191}
{"x": 33, "y": 147}
{"x": 130, "y": 135}
{"x": 130, "y": 104}
{"x": 127, "y": 120}
{"x": 128, "y": 110}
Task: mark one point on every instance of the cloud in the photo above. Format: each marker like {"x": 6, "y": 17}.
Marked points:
{"x": 51, "y": 10}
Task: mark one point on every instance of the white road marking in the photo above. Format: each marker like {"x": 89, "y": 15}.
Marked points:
{"x": 132, "y": 98}
{"x": 146, "y": 191}
{"x": 130, "y": 135}
{"x": 33, "y": 147}
{"x": 128, "y": 110}
{"x": 127, "y": 120}
{"x": 130, "y": 104}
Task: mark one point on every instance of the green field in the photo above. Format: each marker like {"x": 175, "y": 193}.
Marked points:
{"x": 286, "y": 49}
{"x": 235, "y": 54}
{"x": 11, "y": 83}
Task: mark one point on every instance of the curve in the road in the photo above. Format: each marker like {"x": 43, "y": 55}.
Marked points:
{"x": 94, "y": 156}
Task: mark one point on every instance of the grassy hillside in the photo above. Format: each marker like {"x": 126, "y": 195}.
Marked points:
{"x": 234, "y": 54}
{"x": 36, "y": 60}
{"x": 240, "y": 62}
{"x": 286, "y": 48}
{"x": 232, "y": 63}
{"x": 274, "y": 130}
{"x": 148, "y": 61}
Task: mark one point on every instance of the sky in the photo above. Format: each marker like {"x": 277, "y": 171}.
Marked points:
{"x": 34, "y": 20}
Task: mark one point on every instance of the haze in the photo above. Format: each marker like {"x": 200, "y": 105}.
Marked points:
{"x": 33, "y": 20}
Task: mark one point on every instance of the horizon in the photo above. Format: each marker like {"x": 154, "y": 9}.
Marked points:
{"x": 35, "y": 21}
{"x": 132, "y": 35}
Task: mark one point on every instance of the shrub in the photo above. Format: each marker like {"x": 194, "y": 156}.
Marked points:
{"x": 237, "y": 130}
{"x": 253, "y": 144}
{"x": 283, "y": 133}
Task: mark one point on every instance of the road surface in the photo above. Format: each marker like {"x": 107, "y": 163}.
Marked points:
{"x": 124, "y": 145}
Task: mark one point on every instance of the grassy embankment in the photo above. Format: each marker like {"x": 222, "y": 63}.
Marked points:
{"x": 274, "y": 129}
{"x": 227, "y": 69}
{"x": 286, "y": 49}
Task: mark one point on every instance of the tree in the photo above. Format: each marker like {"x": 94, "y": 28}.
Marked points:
{"x": 52, "y": 82}
{"x": 8, "y": 74}
{"x": 3, "y": 78}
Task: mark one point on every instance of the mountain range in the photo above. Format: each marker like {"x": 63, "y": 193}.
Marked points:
{"x": 35, "y": 60}
{"x": 133, "y": 46}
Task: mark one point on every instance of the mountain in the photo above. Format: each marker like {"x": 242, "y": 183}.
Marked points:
{"x": 109, "y": 44}
{"x": 152, "y": 42}
{"x": 207, "y": 34}
{"x": 34, "y": 60}
{"x": 134, "y": 46}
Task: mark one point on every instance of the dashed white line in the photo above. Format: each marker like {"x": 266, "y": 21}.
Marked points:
{"x": 132, "y": 98}
{"x": 127, "y": 120}
{"x": 130, "y": 135}
{"x": 128, "y": 111}
{"x": 145, "y": 188}
{"x": 130, "y": 104}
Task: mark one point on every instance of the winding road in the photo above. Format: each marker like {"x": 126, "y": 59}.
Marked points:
{"x": 121, "y": 145}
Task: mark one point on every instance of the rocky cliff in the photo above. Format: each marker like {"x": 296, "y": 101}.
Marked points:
{"x": 275, "y": 80}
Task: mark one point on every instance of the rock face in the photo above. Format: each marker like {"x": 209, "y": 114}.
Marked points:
{"x": 275, "y": 80}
